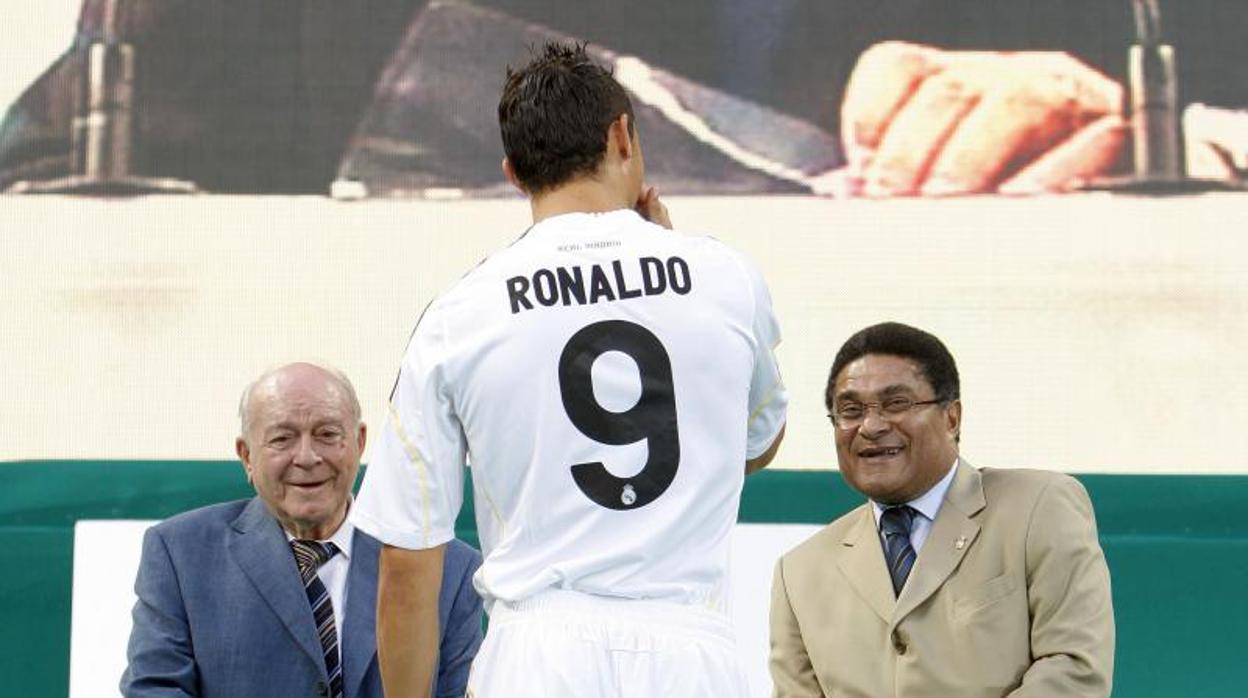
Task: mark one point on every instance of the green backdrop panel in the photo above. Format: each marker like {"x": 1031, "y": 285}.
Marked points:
{"x": 1177, "y": 548}
{"x": 34, "y": 600}
{"x": 1180, "y": 612}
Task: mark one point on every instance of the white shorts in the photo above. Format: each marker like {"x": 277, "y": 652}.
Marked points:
{"x": 564, "y": 644}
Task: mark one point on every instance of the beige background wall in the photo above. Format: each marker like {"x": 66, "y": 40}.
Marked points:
{"x": 1093, "y": 333}
{"x": 34, "y": 34}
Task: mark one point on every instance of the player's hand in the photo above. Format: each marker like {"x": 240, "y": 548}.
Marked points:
{"x": 917, "y": 120}
{"x": 651, "y": 207}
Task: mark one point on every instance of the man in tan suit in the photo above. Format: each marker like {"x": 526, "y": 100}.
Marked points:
{"x": 951, "y": 582}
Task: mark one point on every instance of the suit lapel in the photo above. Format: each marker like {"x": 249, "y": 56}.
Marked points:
{"x": 952, "y": 535}
{"x": 259, "y": 547}
{"x": 862, "y": 562}
{"x": 359, "y": 631}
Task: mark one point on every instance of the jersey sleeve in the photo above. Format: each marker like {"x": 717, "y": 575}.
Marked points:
{"x": 413, "y": 487}
{"x": 769, "y": 400}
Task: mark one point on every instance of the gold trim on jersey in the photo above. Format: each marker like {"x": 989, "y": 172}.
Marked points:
{"x": 480, "y": 485}
{"x": 422, "y": 470}
{"x": 771, "y": 396}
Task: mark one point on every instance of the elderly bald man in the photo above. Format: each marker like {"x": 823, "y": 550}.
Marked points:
{"x": 276, "y": 595}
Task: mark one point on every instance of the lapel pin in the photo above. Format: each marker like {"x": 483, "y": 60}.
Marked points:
{"x": 960, "y": 543}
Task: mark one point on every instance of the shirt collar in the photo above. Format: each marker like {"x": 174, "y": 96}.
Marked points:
{"x": 342, "y": 538}
{"x": 928, "y": 503}
{"x": 579, "y": 219}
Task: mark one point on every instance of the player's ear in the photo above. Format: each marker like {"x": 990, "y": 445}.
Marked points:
{"x": 620, "y": 137}
{"x": 510, "y": 173}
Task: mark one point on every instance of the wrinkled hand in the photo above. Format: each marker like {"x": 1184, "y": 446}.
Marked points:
{"x": 917, "y": 120}
{"x": 652, "y": 208}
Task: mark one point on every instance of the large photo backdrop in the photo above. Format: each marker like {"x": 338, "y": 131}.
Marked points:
{"x": 396, "y": 97}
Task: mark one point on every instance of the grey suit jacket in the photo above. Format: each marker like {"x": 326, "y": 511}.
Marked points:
{"x": 222, "y": 611}
{"x": 1009, "y": 596}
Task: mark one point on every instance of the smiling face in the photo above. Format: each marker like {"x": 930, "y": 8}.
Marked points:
{"x": 301, "y": 448}
{"x": 895, "y": 460}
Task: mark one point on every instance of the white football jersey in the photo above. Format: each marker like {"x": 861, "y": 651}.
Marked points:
{"x": 606, "y": 379}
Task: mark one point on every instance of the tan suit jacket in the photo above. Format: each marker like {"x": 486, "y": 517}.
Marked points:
{"x": 1009, "y": 596}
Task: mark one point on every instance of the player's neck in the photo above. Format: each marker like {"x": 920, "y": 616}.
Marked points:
{"x": 582, "y": 195}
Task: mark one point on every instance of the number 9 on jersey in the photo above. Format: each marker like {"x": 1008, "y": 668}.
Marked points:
{"x": 653, "y": 418}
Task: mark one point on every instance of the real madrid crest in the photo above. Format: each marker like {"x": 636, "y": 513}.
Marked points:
{"x": 628, "y": 496}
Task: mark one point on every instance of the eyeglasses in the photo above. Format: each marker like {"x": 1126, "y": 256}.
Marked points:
{"x": 849, "y": 415}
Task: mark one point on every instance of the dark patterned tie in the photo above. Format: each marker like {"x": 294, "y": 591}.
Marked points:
{"x": 898, "y": 553}
{"x": 310, "y": 555}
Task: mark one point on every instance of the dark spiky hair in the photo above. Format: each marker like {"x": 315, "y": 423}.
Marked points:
{"x": 554, "y": 114}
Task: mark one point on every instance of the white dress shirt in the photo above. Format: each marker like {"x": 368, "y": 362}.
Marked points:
{"x": 927, "y": 504}
{"x": 333, "y": 573}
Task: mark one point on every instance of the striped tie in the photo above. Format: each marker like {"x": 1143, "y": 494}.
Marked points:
{"x": 310, "y": 555}
{"x": 898, "y": 553}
